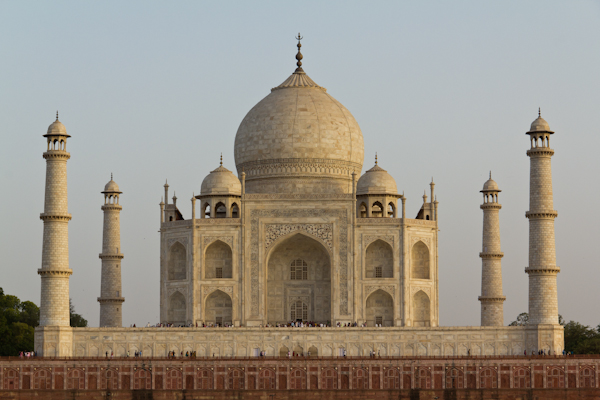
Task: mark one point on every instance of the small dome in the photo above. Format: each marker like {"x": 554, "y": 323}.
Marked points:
{"x": 111, "y": 186}
{"x": 376, "y": 181}
{"x": 490, "y": 185}
{"x": 57, "y": 128}
{"x": 540, "y": 125}
{"x": 221, "y": 181}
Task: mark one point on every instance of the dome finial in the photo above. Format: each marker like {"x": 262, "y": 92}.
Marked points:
{"x": 539, "y": 111}
{"x": 490, "y": 174}
{"x": 111, "y": 176}
{"x": 221, "y": 163}
{"x": 375, "y": 158}
{"x": 57, "y": 115}
{"x": 299, "y": 55}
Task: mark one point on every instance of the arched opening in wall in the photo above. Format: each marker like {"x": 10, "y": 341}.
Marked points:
{"x": 177, "y": 309}
{"x": 420, "y": 261}
{"x": 235, "y": 211}
{"x": 377, "y": 210}
{"x": 313, "y": 351}
{"x": 363, "y": 210}
{"x": 220, "y": 210}
{"x": 177, "y": 262}
{"x": 298, "y": 269}
{"x": 219, "y": 309}
{"x": 421, "y": 309}
{"x": 379, "y": 309}
{"x": 283, "y": 351}
{"x": 379, "y": 260}
{"x": 391, "y": 211}
{"x": 206, "y": 210}
{"x": 218, "y": 261}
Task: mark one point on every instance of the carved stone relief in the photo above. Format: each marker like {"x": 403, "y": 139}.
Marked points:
{"x": 415, "y": 289}
{"x": 207, "y": 290}
{"x": 425, "y": 240}
{"x": 226, "y": 239}
{"x": 321, "y": 231}
{"x": 182, "y": 240}
{"x": 368, "y": 239}
{"x": 391, "y": 290}
{"x": 256, "y": 215}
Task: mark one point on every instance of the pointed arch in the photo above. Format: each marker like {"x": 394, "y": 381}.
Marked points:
{"x": 421, "y": 309}
{"x": 379, "y": 260}
{"x": 218, "y": 261}
{"x": 379, "y": 309}
{"x": 391, "y": 210}
{"x": 362, "y": 210}
{"x": 377, "y": 209}
{"x": 75, "y": 379}
{"x": 205, "y": 210}
{"x": 420, "y": 265}
{"x": 204, "y": 379}
{"x": 235, "y": 211}
{"x": 142, "y": 379}
{"x": 177, "y": 262}
{"x": 455, "y": 378}
{"x": 218, "y": 308}
{"x": 220, "y": 210}
{"x": 266, "y": 379}
{"x": 177, "y": 310}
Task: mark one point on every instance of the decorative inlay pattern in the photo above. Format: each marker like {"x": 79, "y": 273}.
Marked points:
{"x": 415, "y": 289}
{"x": 368, "y": 239}
{"x": 182, "y": 240}
{"x": 372, "y": 288}
{"x": 226, "y": 239}
{"x": 425, "y": 240}
{"x": 255, "y": 215}
{"x": 298, "y": 196}
{"x": 207, "y": 290}
{"x": 321, "y": 231}
{"x": 173, "y": 289}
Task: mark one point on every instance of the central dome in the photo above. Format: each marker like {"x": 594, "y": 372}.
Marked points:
{"x": 299, "y": 139}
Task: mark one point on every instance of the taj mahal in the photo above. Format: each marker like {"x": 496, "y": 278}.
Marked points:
{"x": 299, "y": 234}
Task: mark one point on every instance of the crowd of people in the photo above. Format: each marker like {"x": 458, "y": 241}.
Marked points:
{"x": 291, "y": 324}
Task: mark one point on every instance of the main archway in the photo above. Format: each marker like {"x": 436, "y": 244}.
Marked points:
{"x": 298, "y": 281}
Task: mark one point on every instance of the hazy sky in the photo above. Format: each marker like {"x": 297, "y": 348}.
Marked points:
{"x": 152, "y": 90}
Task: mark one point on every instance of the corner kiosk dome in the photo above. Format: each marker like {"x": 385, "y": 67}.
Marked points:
{"x": 490, "y": 185}
{"x": 299, "y": 139}
{"x": 539, "y": 125}
{"x": 376, "y": 181}
{"x": 221, "y": 181}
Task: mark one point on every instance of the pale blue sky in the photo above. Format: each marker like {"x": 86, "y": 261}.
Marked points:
{"x": 152, "y": 90}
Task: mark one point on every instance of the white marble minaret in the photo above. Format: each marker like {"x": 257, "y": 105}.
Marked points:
{"x": 542, "y": 269}
{"x": 111, "y": 299}
{"x": 55, "y": 272}
{"x": 492, "y": 299}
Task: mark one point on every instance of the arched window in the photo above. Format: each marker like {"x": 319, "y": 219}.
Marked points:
{"x": 299, "y": 311}
{"x": 221, "y": 210}
{"x": 377, "y": 210}
{"x": 421, "y": 309}
{"x": 391, "y": 211}
{"x": 177, "y": 309}
{"x": 235, "y": 211}
{"x": 219, "y": 308}
{"x": 218, "y": 261}
{"x": 299, "y": 270}
{"x": 177, "y": 262}
{"x": 379, "y": 260}
{"x": 206, "y": 210}
{"x": 420, "y": 261}
{"x": 363, "y": 210}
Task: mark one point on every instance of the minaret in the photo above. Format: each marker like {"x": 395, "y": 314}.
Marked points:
{"x": 492, "y": 299}
{"x": 55, "y": 272}
{"x": 111, "y": 299}
{"x": 542, "y": 269}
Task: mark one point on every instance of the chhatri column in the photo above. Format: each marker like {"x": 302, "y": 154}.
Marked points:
{"x": 55, "y": 272}
{"x": 492, "y": 299}
{"x": 111, "y": 299}
{"x": 542, "y": 269}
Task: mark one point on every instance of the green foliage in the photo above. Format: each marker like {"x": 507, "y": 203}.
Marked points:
{"x": 77, "y": 321}
{"x": 522, "y": 320}
{"x": 17, "y": 323}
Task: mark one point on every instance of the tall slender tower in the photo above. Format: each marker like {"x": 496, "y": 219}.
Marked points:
{"x": 542, "y": 269}
{"x": 55, "y": 272}
{"x": 492, "y": 299}
{"x": 111, "y": 300}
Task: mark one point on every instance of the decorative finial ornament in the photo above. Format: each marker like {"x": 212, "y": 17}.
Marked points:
{"x": 111, "y": 176}
{"x": 539, "y": 112}
{"x": 490, "y": 174}
{"x": 375, "y": 158}
{"x": 57, "y": 115}
{"x": 299, "y": 55}
{"x": 221, "y": 159}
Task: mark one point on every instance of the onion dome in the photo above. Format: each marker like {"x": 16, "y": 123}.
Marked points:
{"x": 490, "y": 185}
{"x": 221, "y": 181}
{"x": 376, "y": 181}
{"x": 298, "y": 132}
{"x": 57, "y": 128}
{"x": 540, "y": 125}
{"x": 111, "y": 186}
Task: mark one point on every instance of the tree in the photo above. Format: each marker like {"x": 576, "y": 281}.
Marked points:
{"x": 522, "y": 320}
{"x": 17, "y": 324}
{"x": 77, "y": 321}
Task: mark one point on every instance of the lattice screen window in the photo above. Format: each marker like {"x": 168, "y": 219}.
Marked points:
{"x": 378, "y": 272}
{"x": 299, "y": 311}
{"x": 379, "y": 320}
{"x": 219, "y": 320}
{"x": 219, "y": 272}
{"x": 299, "y": 270}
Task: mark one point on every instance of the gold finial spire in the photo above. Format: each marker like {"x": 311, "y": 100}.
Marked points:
{"x": 299, "y": 55}
{"x": 375, "y": 158}
{"x": 57, "y": 115}
{"x": 221, "y": 159}
{"x": 490, "y": 174}
{"x": 111, "y": 176}
{"x": 539, "y": 111}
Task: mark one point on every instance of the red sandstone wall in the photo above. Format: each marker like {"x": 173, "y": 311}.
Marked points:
{"x": 333, "y": 378}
